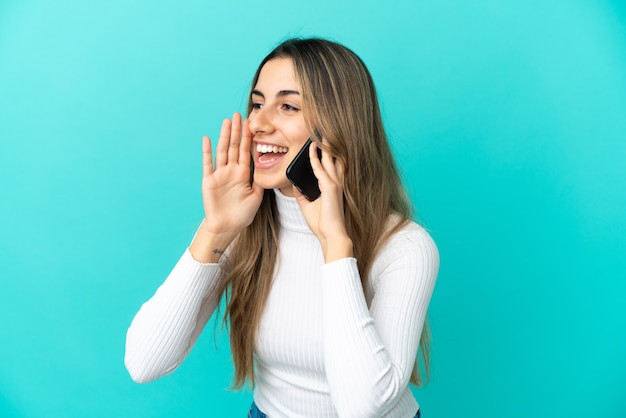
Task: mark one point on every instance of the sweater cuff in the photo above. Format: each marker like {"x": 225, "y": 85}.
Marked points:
{"x": 341, "y": 267}
{"x": 187, "y": 255}
{"x": 190, "y": 271}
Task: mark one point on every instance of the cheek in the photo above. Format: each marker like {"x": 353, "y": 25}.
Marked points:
{"x": 298, "y": 141}
{"x": 298, "y": 132}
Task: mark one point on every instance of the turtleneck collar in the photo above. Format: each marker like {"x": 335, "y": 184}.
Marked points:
{"x": 291, "y": 216}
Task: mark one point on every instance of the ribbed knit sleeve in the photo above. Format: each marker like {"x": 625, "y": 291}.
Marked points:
{"x": 167, "y": 326}
{"x": 370, "y": 352}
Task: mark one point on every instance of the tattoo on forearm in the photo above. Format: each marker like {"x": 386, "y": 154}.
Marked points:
{"x": 222, "y": 253}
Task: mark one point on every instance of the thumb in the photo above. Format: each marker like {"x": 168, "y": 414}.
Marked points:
{"x": 302, "y": 201}
{"x": 257, "y": 190}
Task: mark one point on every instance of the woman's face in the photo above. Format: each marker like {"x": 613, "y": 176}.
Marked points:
{"x": 277, "y": 124}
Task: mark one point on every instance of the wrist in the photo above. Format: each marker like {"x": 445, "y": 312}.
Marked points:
{"x": 208, "y": 246}
{"x": 337, "y": 248}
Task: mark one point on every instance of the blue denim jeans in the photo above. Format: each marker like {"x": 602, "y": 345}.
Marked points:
{"x": 255, "y": 412}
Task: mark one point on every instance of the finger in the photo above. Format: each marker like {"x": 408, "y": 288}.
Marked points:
{"x": 325, "y": 169}
{"x": 328, "y": 163}
{"x": 340, "y": 170}
{"x": 246, "y": 144}
{"x": 221, "y": 157}
{"x": 235, "y": 138}
{"x": 323, "y": 179}
{"x": 207, "y": 157}
{"x": 318, "y": 170}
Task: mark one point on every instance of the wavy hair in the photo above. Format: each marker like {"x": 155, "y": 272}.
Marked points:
{"x": 340, "y": 104}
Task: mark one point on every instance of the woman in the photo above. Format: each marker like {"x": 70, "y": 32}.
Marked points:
{"x": 326, "y": 300}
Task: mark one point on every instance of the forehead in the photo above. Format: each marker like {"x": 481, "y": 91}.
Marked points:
{"x": 277, "y": 74}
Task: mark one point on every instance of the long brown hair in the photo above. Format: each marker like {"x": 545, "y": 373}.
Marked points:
{"x": 340, "y": 104}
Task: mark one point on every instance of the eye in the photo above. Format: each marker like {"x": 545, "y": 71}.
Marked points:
{"x": 290, "y": 108}
{"x": 255, "y": 106}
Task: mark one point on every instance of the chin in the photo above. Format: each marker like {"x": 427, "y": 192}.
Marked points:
{"x": 271, "y": 182}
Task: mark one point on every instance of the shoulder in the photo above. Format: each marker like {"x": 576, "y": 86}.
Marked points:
{"x": 410, "y": 249}
{"x": 411, "y": 238}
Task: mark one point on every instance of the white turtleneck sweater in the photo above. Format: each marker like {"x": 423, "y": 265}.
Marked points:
{"x": 326, "y": 347}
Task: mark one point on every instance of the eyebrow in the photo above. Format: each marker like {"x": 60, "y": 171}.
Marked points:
{"x": 281, "y": 93}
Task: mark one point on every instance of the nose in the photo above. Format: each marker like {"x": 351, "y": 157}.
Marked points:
{"x": 260, "y": 121}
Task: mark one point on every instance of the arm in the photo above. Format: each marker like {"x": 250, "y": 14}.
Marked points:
{"x": 370, "y": 353}
{"x": 168, "y": 325}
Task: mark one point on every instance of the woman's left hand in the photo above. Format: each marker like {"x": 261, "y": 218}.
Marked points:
{"x": 325, "y": 215}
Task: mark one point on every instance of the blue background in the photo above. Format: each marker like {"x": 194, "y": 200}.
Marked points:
{"x": 508, "y": 119}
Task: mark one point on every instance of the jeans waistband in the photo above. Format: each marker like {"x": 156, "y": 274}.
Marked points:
{"x": 255, "y": 412}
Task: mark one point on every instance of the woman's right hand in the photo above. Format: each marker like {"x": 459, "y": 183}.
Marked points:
{"x": 230, "y": 201}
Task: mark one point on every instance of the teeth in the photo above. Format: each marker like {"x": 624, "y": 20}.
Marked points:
{"x": 262, "y": 148}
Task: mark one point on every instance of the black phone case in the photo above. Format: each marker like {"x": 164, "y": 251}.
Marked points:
{"x": 300, "y": 173}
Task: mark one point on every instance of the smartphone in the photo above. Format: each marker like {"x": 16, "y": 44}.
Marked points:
{"x": 300, "y": 173}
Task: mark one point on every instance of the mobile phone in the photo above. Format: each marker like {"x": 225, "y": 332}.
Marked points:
{"x": 300, "y": 173}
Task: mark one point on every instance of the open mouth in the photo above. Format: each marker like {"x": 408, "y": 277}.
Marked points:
{"x": 270, "y": 153}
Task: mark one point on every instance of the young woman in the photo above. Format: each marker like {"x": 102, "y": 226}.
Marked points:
{"x": 326, "y": 300}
